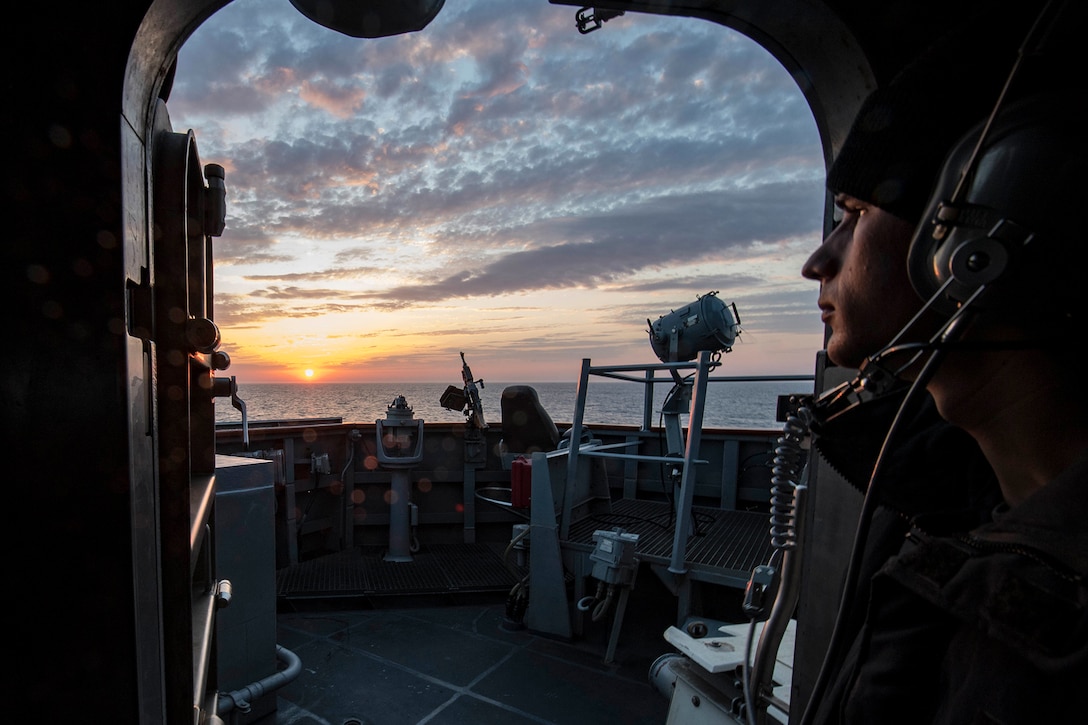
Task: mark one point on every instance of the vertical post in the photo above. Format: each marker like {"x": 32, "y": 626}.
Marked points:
{"x": 347, "y": 541}
{"x": 617, "y": 621}
{"x": 731, "y": 468}
{"x": 347, "y": 480}
{"x": 549, "y": 610}
{"x": 474, "y": 452}
{"x": 677, "y": 564}
{"x": 468, "y": 496}
{"x": 290, "y": 516}
{"x": 648, "y": 400}
{"x": 289, "y": 503}
{"x": 398, "y": 517}
{"x": 572, "y": 453}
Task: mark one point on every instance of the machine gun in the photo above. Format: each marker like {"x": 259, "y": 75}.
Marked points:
{"x": 466, "y": 399}
{"x": 474, "y": 409}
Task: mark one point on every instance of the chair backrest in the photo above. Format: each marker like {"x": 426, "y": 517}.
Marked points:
{"x": 526, "y": 425}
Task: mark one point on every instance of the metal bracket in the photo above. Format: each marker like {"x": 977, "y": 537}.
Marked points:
{"x": 589, "y": 19}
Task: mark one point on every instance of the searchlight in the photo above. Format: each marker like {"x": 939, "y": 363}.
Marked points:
{"x": 706, "y": 324}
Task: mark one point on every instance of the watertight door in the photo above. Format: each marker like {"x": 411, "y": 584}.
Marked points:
{"x": 187, "y": 209}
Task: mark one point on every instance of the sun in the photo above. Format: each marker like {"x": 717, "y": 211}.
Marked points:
{"x": 308, "y": 373}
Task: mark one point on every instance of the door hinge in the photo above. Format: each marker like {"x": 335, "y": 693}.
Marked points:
{"x": 141, "y": 307}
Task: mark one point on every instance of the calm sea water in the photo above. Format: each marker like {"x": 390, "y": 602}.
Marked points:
{"x": 730, "y": 404}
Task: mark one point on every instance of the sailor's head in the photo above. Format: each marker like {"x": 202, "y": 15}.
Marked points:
{"x": 1001, "y": 233}
{"x": 881, "y": 181}
{"x": 884, "y": 171}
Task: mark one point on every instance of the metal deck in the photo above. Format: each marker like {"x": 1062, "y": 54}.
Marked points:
{"x": 464, "y": 663}
{"x": 374, "y": 650}
{"x": 363, "y": 572}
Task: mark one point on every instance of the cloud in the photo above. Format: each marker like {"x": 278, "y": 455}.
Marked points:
{"x": 339, "y": 100}
{"x": 500, "y": 154}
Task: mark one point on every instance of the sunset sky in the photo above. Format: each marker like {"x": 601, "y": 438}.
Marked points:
{"x": 498, "y": 184}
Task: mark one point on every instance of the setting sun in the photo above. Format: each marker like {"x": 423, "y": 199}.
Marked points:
{"x": 309, "y": 373}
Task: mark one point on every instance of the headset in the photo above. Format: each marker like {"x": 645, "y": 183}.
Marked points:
{"x": 1002, "y": 231}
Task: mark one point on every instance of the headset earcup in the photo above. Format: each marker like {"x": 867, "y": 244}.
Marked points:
{"x": 1000, "y": 206}
{"x": 972, "y": 264}
{"x": 927, "y": 266}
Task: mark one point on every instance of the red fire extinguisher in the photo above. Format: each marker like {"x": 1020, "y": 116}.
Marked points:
{"x": 521, "y": 482}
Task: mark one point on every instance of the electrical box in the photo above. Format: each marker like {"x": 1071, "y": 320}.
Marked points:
{"x": 245, "y": 553}
{"x": 613, "y": 556}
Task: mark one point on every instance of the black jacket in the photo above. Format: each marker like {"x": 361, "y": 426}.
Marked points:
{"x": 932, "y": 470}
{"x": 988, "y": 625}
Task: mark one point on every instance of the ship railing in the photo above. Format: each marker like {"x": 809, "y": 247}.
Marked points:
{"x": 683, "y": 449}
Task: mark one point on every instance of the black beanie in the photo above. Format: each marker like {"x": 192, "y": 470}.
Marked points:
{"x": 894, "y": 151}
{"x": 903, "y": 131}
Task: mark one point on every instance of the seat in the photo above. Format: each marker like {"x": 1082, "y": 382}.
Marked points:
{"x": 526, "y": 429}
{"x": 526, "y": 425}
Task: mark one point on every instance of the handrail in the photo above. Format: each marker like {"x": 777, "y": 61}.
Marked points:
{"x": 650, "y": 379}
{"x": 637, "y": 457}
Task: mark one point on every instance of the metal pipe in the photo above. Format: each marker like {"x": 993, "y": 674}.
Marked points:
{"x": 677, "y": 564}
{"x": 242, "y": 697}
{"x": 399, "y": 517}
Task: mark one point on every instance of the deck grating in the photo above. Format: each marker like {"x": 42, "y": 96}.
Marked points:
{"x": 731, "y": 541}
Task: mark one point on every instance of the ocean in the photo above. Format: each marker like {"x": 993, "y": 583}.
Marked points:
{"x": 730, "y": 404}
